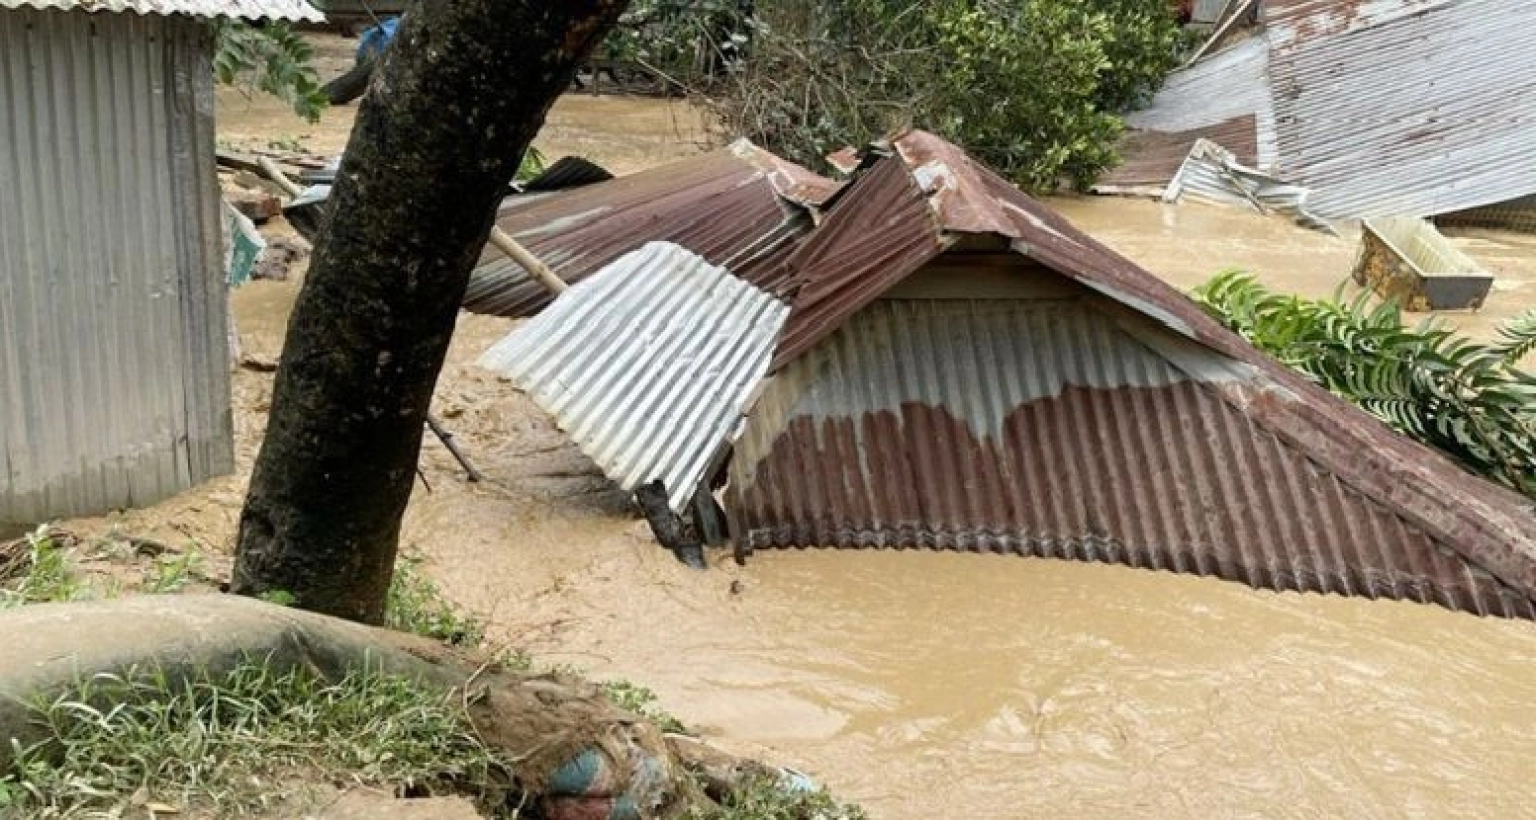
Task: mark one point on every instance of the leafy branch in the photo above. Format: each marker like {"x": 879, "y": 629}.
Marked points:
{"x": 271, "y": 58}
{"x": 1466, "y": 399}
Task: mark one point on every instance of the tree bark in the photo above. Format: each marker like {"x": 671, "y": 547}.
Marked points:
{"x": 452, "y": 107}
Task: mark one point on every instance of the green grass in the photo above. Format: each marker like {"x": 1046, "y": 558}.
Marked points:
{"x": 642, "y": 701}
{"x": 770, "y": 800}
{"x": 416, "y": 605}
{"x": 230, "y": 743}
{"x": 41, "y": 571}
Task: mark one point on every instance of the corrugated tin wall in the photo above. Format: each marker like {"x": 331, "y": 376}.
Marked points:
{"x": 1231, "y": 84}
{"x": 114, "y": 388}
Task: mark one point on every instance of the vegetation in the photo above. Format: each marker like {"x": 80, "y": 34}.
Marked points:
{"x": 271, "y": 58}
{"x": 1468, "y": 400}
{"x": 1033, "y": 88}
{"x": 36, "y": 569}
{"x": 768, "y": 799}
{"x": 229, "y": 742}
{"x": 417, "y": 606}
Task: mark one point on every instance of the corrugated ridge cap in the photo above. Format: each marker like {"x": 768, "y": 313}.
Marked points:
{"x": 288, "y": 10}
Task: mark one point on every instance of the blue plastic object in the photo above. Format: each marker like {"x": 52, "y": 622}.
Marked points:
{"x": 372, "y": 42}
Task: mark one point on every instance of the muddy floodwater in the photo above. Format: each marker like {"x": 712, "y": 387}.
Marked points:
{"x": 934, "y": 685}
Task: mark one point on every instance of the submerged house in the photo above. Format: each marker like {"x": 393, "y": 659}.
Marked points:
{"x": 114, "y": 383}
{"x": 1387, "y": 108}
{"x": 942, "y": 362}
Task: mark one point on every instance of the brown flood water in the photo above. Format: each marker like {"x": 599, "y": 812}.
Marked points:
{"x": 930, "y": 685}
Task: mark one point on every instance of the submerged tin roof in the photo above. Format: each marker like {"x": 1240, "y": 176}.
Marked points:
{"x": 1063, "y": 428}
{"x": 1382, "y": 107}
{"x": 291, "y": 10}
{"x": 1489, "y": 527}
{"x": 740, "y": 207}
{"x": 1175, "y": 443}
{"x": 647, "y": 364}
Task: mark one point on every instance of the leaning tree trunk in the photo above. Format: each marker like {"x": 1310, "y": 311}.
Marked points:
{"x": 454, "y": 104}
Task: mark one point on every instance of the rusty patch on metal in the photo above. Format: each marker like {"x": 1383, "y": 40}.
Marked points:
{"x": 1065, "y": 438}
{"x": 1151, "y": 159}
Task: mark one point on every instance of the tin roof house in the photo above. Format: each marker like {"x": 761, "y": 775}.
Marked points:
{"x": 114, "y": 387}
{"x": 1383, "y": 108}
{"x": 942, "y": 362}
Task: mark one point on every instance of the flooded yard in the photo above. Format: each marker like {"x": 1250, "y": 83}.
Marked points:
{"x": 945, "y": 685}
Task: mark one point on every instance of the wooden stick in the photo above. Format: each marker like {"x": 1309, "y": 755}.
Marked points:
{"x": 447, "y": 439}
{"x": 276, "y": 174}
{"x": 519, "y": 254}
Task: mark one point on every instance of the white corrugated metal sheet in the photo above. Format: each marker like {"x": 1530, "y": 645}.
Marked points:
{"x": 1232, "y": 83}
{"x": 1426, "y": 110}
{"x": 648, "y": 364}
{"x": 292, "y": 10}
{"x": 114, "y": 382}
{"x": 1213, "y": 173}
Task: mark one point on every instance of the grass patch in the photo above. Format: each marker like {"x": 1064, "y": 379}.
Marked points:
{"x": 229, "y": 743}
{"x": 642, "y": 701}
{"x": 768, "y": 799}
{"x": 416, "y": 605}
{"x": 37, "y": 569}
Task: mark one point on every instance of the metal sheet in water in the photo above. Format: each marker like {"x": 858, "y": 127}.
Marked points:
{"x": 648, "y": 364}
{"x": 739, "y": 207}
{"x": 1064, "y": 429}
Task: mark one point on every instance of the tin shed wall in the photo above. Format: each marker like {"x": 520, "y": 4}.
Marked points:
{"x": 114, "y": 386}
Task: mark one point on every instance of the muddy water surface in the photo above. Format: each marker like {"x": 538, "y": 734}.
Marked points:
{"x": 948, "y": 686}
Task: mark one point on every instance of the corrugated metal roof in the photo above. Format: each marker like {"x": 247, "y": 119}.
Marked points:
{"x": 740, "y": 207}
{"x": 292, "y": 10}
{"x": 1219, "y": 89}
{"x": 1381, "y": 107}
{"x": 1067, "y": 429}
{"x": 647, "y": 364}
{"x": 1150, "y": 159}
{"x": 1213, "y": 173}
{"x": 1405, "y": 108}
{"x": 1490, "y": 527}
{"x": 114, "y": 381}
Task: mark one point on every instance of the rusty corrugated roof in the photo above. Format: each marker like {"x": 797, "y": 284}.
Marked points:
{"x": 1152, "y": 158}
{"x": 1381, "y": 107}
{"x": 740, "y": 207}
{"x": 1062, "y": 428}
{"x": 1488, "y": 527}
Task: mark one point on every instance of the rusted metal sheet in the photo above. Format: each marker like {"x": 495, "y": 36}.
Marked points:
{"x": 739, "y": 207}
{"x": 1412, "y": 108}
{"x": 1064, "y": 429}
{"x": 114, "y": 381}
{"x": 1226, "y": 86}
{"x": 1487, "y": 526}
{"x": 647, "y": 364}
{"x": 1151, "y": 159}
{"x": 292, "y": 10}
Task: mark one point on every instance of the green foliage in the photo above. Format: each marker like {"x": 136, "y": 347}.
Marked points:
{"x": 1466, "y": 399}
{"x": 41, "y": 570}
{"x": 417, "y": 606}
{"x": 271, "y": 58}
{"x": 642, "y": 701}
{"x": 210, "y": 741}
{"x": 1031, "y": 87}
{"x": 767, "y": 799}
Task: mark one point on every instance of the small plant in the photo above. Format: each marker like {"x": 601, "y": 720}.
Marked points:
{"x": 170, "y": 573}
{"x": 768, "y": 799}
{"x": 210, "y": 741}
{"x": 1468, "y": 400}
{"x": 42, "y": 568}
{"x": 279, "y": 597}
{"x": 642, "y": 701}
{"x": 417, "y": 606}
